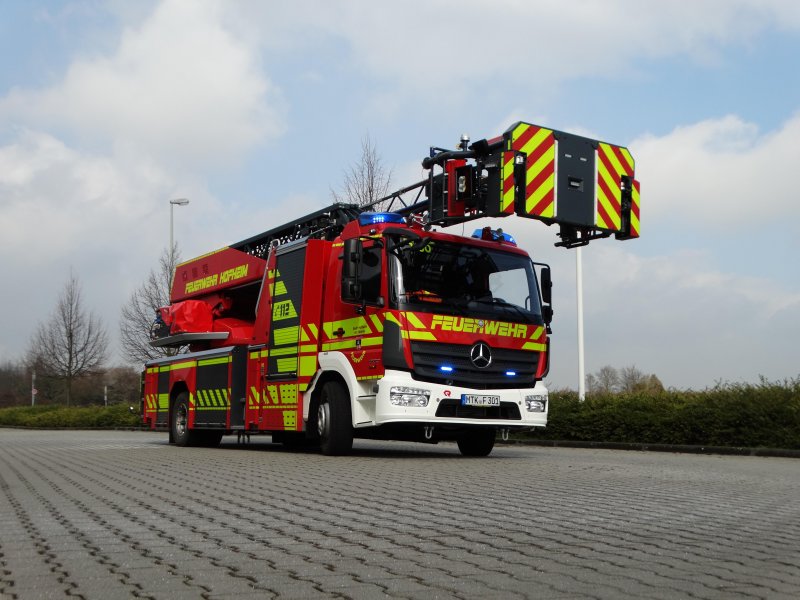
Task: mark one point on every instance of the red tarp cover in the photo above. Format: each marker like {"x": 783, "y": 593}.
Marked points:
{"x": 189, "y": 316}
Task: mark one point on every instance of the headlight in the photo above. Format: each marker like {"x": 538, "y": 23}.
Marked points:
{"x": 536, "y": 403}
{"x": 406, "y": 396}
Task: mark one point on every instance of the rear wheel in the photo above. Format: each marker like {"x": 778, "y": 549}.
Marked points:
{"x": 478, "y": 442}
{"x": 179, "y": 421}
{"x": 334, "y": 420}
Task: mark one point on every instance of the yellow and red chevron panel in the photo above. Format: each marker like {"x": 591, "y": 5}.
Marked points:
{"x": 507, "y": 183}
{"x": 612, "y": 163}
{"x": 539, "y": 146}
{"x": 634, "y": 220}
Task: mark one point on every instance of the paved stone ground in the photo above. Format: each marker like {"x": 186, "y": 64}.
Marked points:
{"x": 123, "y": 515}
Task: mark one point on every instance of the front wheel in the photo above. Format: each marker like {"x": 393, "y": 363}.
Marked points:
{"x": 334, "y": 420}
{"x": 478, "y": 442}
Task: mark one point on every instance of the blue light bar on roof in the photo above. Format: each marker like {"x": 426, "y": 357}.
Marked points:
{"x": 494, "y": 235}
{"x": 373, "y": 218}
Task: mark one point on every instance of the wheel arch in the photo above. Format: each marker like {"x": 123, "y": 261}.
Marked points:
{"x": 316, "y": 393}
{"x": 333, "y": 366}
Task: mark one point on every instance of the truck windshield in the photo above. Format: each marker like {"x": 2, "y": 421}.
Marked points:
{"x": 443, "y": 277}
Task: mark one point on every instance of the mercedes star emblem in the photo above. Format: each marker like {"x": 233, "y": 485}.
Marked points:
{"x": 481, "y": 355}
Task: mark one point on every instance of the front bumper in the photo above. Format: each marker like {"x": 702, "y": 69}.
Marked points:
{"x": 445, "y": 405}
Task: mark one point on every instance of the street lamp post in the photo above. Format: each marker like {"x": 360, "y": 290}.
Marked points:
{"x": 579, "y": 290}
{"x": 172, "y": 203}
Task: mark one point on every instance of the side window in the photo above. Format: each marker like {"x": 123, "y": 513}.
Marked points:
{"x": 371, "y": 274}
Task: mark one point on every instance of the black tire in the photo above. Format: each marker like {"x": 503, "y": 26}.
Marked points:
{"x": 179, "y": 422}
{"x": 179, "y": 427}
{"x": 477, "y": 442}
{"x": 334, "y": 420}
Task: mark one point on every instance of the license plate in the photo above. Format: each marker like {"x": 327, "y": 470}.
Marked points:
{"x": 472, "y": 400}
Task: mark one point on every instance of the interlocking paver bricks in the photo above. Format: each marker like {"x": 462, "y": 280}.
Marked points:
{"x": 123, "y": 514}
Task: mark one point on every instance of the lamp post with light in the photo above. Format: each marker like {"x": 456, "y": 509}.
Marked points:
{"x": 579, "y": 290}
{"x": 172, "y": 203}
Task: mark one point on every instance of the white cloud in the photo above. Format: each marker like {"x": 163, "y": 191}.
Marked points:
{"x": 719, "y": 173}
{"x": 180, "y": 87}
{"x": 65, "y": 209}
{"x": 445, "y": 48}
{"x": 676, "y": 316}
{"x": 87, "y": 164}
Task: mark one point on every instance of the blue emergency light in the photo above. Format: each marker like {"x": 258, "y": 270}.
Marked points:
{"x": 374, "y": 218}
{"x": 494, "y": 235}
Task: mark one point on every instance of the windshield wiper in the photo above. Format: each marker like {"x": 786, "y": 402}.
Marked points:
{"x": 505, "y": 304}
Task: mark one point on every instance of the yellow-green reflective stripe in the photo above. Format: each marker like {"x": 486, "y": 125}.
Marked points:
{"x": 214, "y": 361}
{"x": 421, "y": 335}
{"x": 534, "y": 346}
{"x": 371, "y": 341}
{"x": 286, "y": 365}
{"x": 283, "y": 310}
{"x": 392, "y": 319}
{"x": 284, "y": 351}
{"x": 377, "y": 322}
{"x": 286, "y": 335}
{"x": 183, "y": 365}
{"x": 308, "y": 365}
{"x": 414, "y": 320}
{"x": 351, "y": 327}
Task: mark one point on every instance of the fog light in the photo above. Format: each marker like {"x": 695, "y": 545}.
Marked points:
{"x": 536, "y": 403}
{"x": 406, "y": 396}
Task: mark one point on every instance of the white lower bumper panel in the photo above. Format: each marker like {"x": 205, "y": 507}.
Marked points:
{"x": 456, "y": 405}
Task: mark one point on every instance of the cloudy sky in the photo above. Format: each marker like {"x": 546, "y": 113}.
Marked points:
{"x": 253, "y": 110}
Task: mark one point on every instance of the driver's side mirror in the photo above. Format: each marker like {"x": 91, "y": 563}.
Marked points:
{"x": 351, "y": 270}
{"x": 547, "y": 286}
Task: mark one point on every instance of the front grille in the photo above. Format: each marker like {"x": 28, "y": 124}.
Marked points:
{"x": 451, "y": 407}
{"x": 429, "y": 357}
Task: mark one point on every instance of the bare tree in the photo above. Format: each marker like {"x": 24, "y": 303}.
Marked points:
{"x": 633, "y": 380}
{"x": 605, "y": 381}
{"x": 139, "y": 312}
{"x": 367, "y": 180}
{"x": 72, "y": 343}
{"x": 626, "y": 380}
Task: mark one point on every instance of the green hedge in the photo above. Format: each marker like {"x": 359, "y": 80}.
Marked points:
{"x": 54, "y": 417}
{"x": 766, "y": 415}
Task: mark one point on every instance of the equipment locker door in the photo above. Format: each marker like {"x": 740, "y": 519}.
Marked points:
{"x": 280, "y": 393}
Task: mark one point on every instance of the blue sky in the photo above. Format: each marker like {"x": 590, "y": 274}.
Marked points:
{"x": 254, "y": 110}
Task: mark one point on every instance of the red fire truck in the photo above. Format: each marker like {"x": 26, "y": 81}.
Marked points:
{"x": 351, "y": 323}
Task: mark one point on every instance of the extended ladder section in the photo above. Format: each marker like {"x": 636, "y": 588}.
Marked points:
{"x": 585, "y": 186}
{"x": 325, "y": 223}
